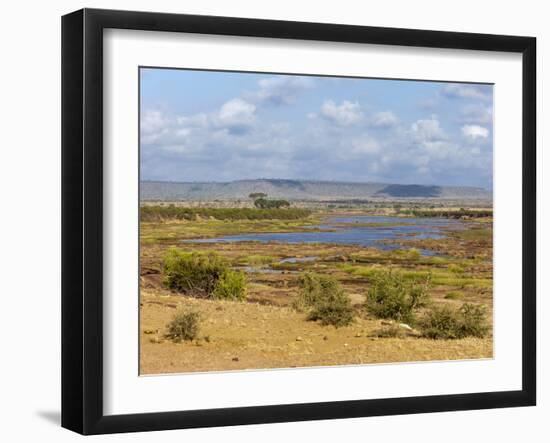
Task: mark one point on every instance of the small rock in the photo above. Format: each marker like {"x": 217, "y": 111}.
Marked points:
{"x": 299, "y": 339}
{"x": 235, "y": 359}
{"x": 325, "y": 337}
{"x": 346, "y": 345}
{"x": 405, "y": 326}
{"x": 358, "y": 334}
{"x": 149, "y": 331}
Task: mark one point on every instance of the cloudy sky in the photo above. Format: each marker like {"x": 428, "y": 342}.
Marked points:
{"x": 218, "y": 126}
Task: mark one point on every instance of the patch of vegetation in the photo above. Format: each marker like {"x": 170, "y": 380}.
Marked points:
{"x": 257, "y": 260}
{"x": 453, "y": 295}
{"x": 480, "y": 283}
{"x": 446, "y": 323}
{"x": 184, "y": 326}
{"x": 450, "y": 213}
{"x": 361, "y": 271}
{"x": 270, "y": 212}
{"x": 405, "y": 254}
{"x": 264, "y": 203}
{"x": 231, "y": 286}
{"x": 392, "y": 296}
{"x": 202, "y": 274}
{"x": 456, "y": 268}
{"x": 453, "y": 277}
{"x": 325, "y": 299}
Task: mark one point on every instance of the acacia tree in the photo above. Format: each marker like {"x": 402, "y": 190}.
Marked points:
{"x": 264, "y": 203}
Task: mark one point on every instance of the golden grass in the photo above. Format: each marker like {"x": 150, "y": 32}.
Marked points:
{"x": 236, "y": 336}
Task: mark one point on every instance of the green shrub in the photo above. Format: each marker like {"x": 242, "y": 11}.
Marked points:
{"x": 202, "y": 275}
{"x": 440, "y": 323}
{"x": 314, "y": 288}
{"x": 325, "y": 299}
{"x": 446, "y": 323}
{"x": 231, "y": 286}
{"x": 473, "y": 321}
{"x": 337, "y": 312}
{"x": 184, "y": 326}
{"x": 195, "y": 273}
{"x": 392, "y": 296}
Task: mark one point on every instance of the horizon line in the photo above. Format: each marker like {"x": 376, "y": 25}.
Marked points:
{"x": 312, "y": 180}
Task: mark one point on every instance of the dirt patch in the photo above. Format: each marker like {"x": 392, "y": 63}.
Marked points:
{"x": 236, "y": 336}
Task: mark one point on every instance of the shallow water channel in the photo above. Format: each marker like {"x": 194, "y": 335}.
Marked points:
{"x": 362, "y": 230}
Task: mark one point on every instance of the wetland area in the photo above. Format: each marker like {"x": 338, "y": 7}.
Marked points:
{"x": 266, "y": 330}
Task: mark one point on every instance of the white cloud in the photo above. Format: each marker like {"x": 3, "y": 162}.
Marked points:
{"x": 477, "y": 114}
{"x": 152, "y": 121}
{"x": 236, "y": 143}
{"x": 280, "y": 90}
{"x": 346, "y": 114}
{"x": 236, "y": 113}
{"x": 194, "y": 121}
{"x": 384, "y": 119}
{"x": 466, "y": 91}
{"x": 428, "y": 130}
{"x": 474, "y": 131}
{"x": 365, "y": 145}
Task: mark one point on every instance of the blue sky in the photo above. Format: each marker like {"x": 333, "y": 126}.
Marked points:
{"x": 222, "y": 126}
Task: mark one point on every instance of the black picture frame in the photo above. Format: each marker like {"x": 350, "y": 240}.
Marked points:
{"x": 82, "y": 218}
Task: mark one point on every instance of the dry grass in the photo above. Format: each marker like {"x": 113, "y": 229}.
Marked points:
{"x": 254, "y": 336}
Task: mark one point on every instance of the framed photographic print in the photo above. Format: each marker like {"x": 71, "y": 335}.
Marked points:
{"x": 269, "y": 221}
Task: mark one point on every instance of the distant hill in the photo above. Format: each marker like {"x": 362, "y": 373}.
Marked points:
{"x": 303, "y": 190}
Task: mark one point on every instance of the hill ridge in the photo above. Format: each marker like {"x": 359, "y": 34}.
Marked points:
{"x": 314, "y": 190}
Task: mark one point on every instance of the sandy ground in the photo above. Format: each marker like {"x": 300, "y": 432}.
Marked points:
{"x": 237, "y": 335}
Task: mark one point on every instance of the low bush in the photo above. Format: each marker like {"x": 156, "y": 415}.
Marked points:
{"x": 231, "y": 286}
{"x": 446, "y": 323}
{"x": 184, "y": 326}
{"x": 392, "y": 296}
{"x": 325, "y": 300}
{"x": 314, "y": 288}
{"x": 473, "y": 321}
{"x": 202, "y": 275}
